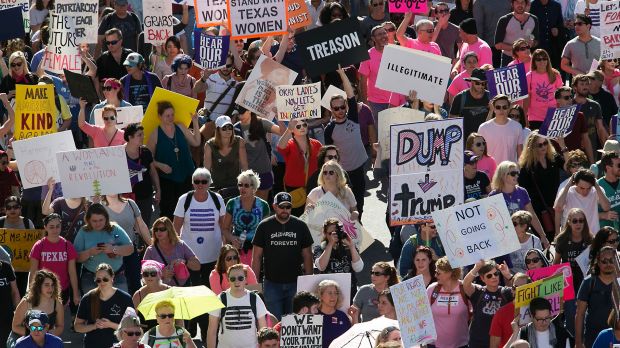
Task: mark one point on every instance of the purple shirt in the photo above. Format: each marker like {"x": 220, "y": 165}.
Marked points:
{"x": 365, "y": 119}
{"x": 516, "y": 200}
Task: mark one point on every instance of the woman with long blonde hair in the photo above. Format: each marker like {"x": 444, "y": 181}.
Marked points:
{"x": 332, "y": 179}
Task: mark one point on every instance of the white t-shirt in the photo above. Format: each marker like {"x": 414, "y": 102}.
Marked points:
{"x": 502, "y": 140}
{"x": 239, "y": 324}
{"x": 201, "y": 228}
{"x": 163, "y": 341}
{"x": 542, "y": 339}
{"x": 589, "y": 205}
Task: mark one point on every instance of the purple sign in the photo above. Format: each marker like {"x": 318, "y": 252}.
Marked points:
{"x": 559, "y": 122}
{"x": 210, "y": 51}
{"x": 509, "y": 80}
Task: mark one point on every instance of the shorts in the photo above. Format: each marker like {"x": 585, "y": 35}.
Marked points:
{"x": 266, "y": 181}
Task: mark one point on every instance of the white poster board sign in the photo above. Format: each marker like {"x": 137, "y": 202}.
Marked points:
{"x": 298, "y": 101}
{"x": 310, "y": 283}
{"x": 158, "y": 21}
{"x": 392, "y": 116}
{"x": 301, "y": 331}
{"x": 331, "y": 91}
{"x": 210, "y": 12}
{"x": 249, "y": 19}
{"x": 82, "y": 17}
{"x": 90, "y": 172}
{"x": 413, "y": 311}
{"x": 36, "y": 157}
{"x": 475, "y": 231}
{"x": 62, "y": 51}
{"x": 610, "y": 29}
{"x": 124, "y": 116}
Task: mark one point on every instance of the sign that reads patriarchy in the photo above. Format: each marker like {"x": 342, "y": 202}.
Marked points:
{"x": 298, "y": 101}
{"x": 559, "y": 122}
{"x": 610, "y": 29}
{"x": 509, "y": 80}
{"x": 256, "y": 18}
{"x": 322, "y": 49}
{"x": 401, "y": 68}
{"x": 302, "y": 331}
{"x": 210, "y": 51}
{"x": 81, "y": 16}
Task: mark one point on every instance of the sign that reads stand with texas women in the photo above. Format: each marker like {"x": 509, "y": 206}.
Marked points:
{"x": 475, "y": 231}
{"x": 256, "y": 18}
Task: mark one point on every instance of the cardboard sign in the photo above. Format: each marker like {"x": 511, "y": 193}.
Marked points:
{"x": 509, "y": 80}
{"x": 20, "y": 242}
{"x": 36, "y": 158}
{"x": 62, "y": 52}
{"x": 331, "y": 91}
{"x": 259, "y": 91}
{"x": 413, "y": 311}
{"x": 35, "y": 111}
{"x": 297, "y": 15}
{"x": 610, "y": 29}
{"x": 551, "y": 288}
{"x": 311, "y": 282}
{"x": 210, "y": 12}
{"x": 24, "y": 5}
{"x": 301, "y": 331}
{"x": 477, "y": 230}
{"x": 93, "y": 172}
{"x": 184, "y": 108}
{"x": 583, "y": 261}
{"x": 615, "y": 126}
{"x": 563, "y": 268}
{"x": 124, "y": 116}
{"x": 252, "y": 18}
{"x": 404, "y": 68}
{"x": 81, "y": 86}
{"x": 158, "y": 21}
{"x": 392, "y": 116}
{"x": 81, "y": 19}
{"x": 298, "y": 102}
{"x": 559, "y": 122}
{"x": 323, "y": 48}
{"x": 426, "y": 169}
{"x": 210, "y": 51}
{"x": 403, "y": 6}
{"x": 12, "y": 21}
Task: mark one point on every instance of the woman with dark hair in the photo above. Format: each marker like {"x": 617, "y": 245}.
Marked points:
{"x": 218, "y": 279}
{"x": 180, "y": 81}
{"x": 101, "y": 309}
{"x": 535, "y": 259}
{"x": 364, "y": 307}
{"x": 517, "y": 113}
{"x": 606, "y": 236}
{"x": 71, "y": 211}
{"x": 39, "y": 11}
{"x": 423, "y": 264}
{"x": 99, "y": 241}
{"x": 539, "y": 101}
{"x": 331, "y": 11}
{"x": 464, "y": 9}
{"x": 478, "y": 145}
{"x": 521, "y": 54}
{"x": 106, "y": 135}
{"x": 385, "y": 304}
{"x": 162, "y": 61}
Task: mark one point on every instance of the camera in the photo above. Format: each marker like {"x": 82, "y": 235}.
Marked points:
{"x": 340, "y": 233}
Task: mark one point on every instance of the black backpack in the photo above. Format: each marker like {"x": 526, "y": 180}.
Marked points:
{"x": 26, "y": 222}
{"x": 153, "y": 335}
{"x": 224, "y": 300}
{"x": 190, "y": 194}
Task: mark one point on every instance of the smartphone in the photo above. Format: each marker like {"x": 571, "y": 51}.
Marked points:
{"x": 100, "y": 245}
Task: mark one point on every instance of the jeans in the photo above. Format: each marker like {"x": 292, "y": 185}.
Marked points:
{"x": 131, "y": 264}
{"x": 279, "y": 297}
{"x": 357, "y": 178}
{"x": 87, "y": 280}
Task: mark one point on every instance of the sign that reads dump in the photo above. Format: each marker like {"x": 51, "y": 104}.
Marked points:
{"x": 302, "y": 331}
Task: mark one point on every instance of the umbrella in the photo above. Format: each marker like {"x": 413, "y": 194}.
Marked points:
{"x": 189, "y": 302}
{"x": 363, "y": 335}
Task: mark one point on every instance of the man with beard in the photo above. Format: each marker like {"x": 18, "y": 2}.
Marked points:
{"x": 281, "y": 244}
{"x": 513, "y": 26}
{"x": 591, "y": 111}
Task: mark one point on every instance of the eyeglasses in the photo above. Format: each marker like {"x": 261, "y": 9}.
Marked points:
{"x": 577, "y": 221}
{"x": 336, "y": 108}
{"x": 543, "y": 320}
{"x": 329, "y": 172}
{"x": 104, "y": 279}
{"x": 491, "y": 275}
{"x": 612, "y": 241}
{"x": 132, "y": 333}
{"x": 113, "y": 42}
{"x": 36, "y": 328}
{"x": 514, "y": 173}
{"x": 239, "y": 278}
{"x": 147, "y": 274}
{"x": 164, "y": 316}
{"x": 378, "y": 4}
{"x": 543, "y": 144}
{"x": 577, "y": 24}
{"x": 227, "y": 128}
{"x": 107, "y": 88}
{"x": 301, "y": 125}
{"x": 232, "y": 258}
{"x": 16, "y": 65}
{"x": 502, "y": 107}
{"x": 522, "y": 48}
{"x": 565, "y": 97}
{"x": 479, "y": 83}
{"x": 484, "y": 143}
{"x": 606, "y": 261}
{"x": 201, "y": 182}
{"x": 430, "y": 31}
{"x": 377, "y": 274}
{"x": 329, "y": 157}
{"x": 13, "y": 207}
{"x": 160, "y": 229}
{"x": 246, "y": 185}
{"x": 540, "y": 59}
{"x": 286, "y": 207}
{"x": 109, "y": 118}
{"x": 532, "y": 260}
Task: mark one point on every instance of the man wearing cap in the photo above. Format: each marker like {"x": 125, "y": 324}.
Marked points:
{"x": 38, "y": 337}
{"x": 472, "y": 104}
{"x": 471, "y": 43}
{"x": 127, "y": 22}
{"x": 476, "y": 183}
{"x": 605, "y": 99}
{"x": 138, "y": 84}
{"x": 611, "y": 145}
{"x": 282, "y": 245}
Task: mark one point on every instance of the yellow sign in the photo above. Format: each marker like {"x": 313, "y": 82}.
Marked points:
{"x": 545, "y": 287}
{"x": 35, "y": 111}
{"x": 184, "y": 107}
{"x": 19, "y": 243}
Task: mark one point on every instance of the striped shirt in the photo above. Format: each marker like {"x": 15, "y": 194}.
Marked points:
{"x": 216, "y": 85}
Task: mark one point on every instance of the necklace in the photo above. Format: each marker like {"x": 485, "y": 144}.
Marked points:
{"x": 173, "y": 141}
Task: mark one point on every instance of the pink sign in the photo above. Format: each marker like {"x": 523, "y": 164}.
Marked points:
{"x": 569, "y": 290}
{"x": 403, "y": 6}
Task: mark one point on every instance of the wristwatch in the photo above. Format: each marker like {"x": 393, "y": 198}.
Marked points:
{"x": 114, "y": 251}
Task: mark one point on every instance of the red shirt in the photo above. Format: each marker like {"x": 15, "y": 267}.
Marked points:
{"x": 573, "y": 140}
{"x": 294, "y": 174}
{"x": 500, "y": 326}
{"x": 8, "y": 179}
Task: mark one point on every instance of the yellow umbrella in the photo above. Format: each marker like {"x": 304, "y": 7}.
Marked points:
{"x": 189, "y": 302}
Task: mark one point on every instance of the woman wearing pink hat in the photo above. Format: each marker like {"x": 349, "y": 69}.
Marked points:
{"x": 151, "y": 278}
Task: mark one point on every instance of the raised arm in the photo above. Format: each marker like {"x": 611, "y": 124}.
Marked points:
{"x": 402, "y": 28}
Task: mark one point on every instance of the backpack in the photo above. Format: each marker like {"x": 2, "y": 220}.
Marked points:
{"x": 224, "y": 300}
{"x": 26, "y": 222}
{"x": 153, "y": 332}
{"x": 437, "y": 291}
{"x": 190, "y": 194}
{"x": 262, "y": 136}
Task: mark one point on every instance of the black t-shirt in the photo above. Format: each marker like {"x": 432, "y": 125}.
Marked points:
{"x": 130, "y": 27}
{"x": 476, "y": 187}
{"x": 282, "y": 245}
{"x": 112, "y": 309}
{"x": 139, "y": 91}
{"x": 7, "y": 275}
{"x": 474, "y": 111}
{"x": 607, "y": 103}
{"x": 485, "y": 304}
{"x": 107, "y": 67}
{"x": 568, "y": 253}
{"x": 547, "y": 181}
{"x": 598, "y": 296}
{"x": 142, "y": 188}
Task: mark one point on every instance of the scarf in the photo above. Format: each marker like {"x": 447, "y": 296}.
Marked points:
{"x": 531, "y": 335}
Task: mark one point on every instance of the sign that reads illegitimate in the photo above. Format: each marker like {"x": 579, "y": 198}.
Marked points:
{"x": 401, "y": 68}
{"x": 19, "y": 243}
{"x": 298, "y": 101}
{"x": 559, "y": 122}
{"x": 301, "y": 331}
{"x": 610, "y": 29}
{"x": 322, "y": 49}
{"x": 210, "y": 12}
{"x": 413, "y": 311}
{"x": 509, "y": 80}
{"x": 551, "y": 288}
{"x": 475, "y": 231}
{"x": 158, "y": 21}
{"x": 35, "y": 111}
{"x": 256, "y": 18}
{"x": 210, "y": 51}
{"x": 414, "y": 6}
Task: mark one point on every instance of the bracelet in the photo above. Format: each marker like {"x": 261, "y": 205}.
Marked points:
{"x": 512, "y": 276}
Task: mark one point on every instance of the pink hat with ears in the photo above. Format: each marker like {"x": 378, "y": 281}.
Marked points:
{"x": 152, "y": 264}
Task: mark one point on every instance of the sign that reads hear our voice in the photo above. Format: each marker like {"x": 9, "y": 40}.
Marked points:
{"x": 210, "y": 51}
{"x": 256, "y": 18}
{"x": 322, "y": 49}
{"x": 559, "y": 122}
{"x": 509, "y": 80}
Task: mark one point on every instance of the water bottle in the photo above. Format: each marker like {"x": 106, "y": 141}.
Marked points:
{"x": 242, "y": 237}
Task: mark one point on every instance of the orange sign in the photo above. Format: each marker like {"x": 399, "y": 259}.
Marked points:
{"x": 297, "y": 15}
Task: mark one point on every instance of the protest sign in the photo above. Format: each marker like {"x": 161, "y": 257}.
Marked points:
{"x": 24, "y": 5}
{"x": 259, "y": 91}
{"x": 475, "y": 231}
{"x": 403, "y": 6}
{"x": 62, "y": 52}
{"x": 93, "y": 172}
{"x": 210, "y": 12}
{"x": 19, "y": 243}
{"x": 392, "y": 116}
{"x": 311, "y": 282}
{"x": 184, "y": 108}
{"x": 615, "y": 126}
{"x": 331, "y": 91}
{"x": 563, "y": 268}
{"x": 36, "y": 158}
{"x": 254, "y": 18}
{"x": 610, "y": 29}
{"x": 551, "y": 288}
{"x": 327, "y": 207}
{"x": 401, "y": 68}
{"x": 297, "y": 15}
{"x": 158, "y": 21}
{"x": 35, "y": 111}
{"x": 12, "y": 21}
{"x": 298, "y": 102}
{"x": 508, "y": 80}
{"x": 413, "y": 311}
{"x": 426, "y": 169}
{"x": 183, "y": 2}
{"x": 559, "y": 122}
{"x": 323, "y": 48}
{"x": 583, "y": 261}
{"x": 81, "y": 19}
{"x": 81, "y": 86}
{"x": 124, "y": 116}
{"x": 210, "y": 51}
{"x": 301, "y": 331}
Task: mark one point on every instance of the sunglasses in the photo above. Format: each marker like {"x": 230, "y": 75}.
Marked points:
{"x": 109, "y": 118}
{"x": 606, "y": 261}
{"x": 147, "y": 274}
{"x": 514, "y": 173}
{"x": 532, "y": 260}
{"x": 227, "y": 128}
{"x": 164, "y": 316}
{"x": 491, "y": 275}
{"x": 239, "y": 278}
{"x": 14, "y": 65}
{"x": 484, "y": 143}
{"x": 99, "y": 280}
{"x": 565, "y": 97}
{"x": 13, "y": 206}
{"x": 479, "y": 83}
{"x": 330, "y": 172}
{"x": 543, "y": 144}
{"x": 107, "y": 88}
{"x": 578, "y": 221}
{"x": 286, "y": 207}
{"x": 442, "y": 11}
{"x": 36, "y": 328}
{"x": 523, "y": 48}
{"x": 378, "y": 4}
{"x": 246, "y": 185}
{"x": 336, "y": 108}
{"x": 133, "y": 333}
{"x": 429, "y": 31}
{"x": 540, "y": 59}
{"x": 160, "y": 229}
{"x": 301, "y": 125}
{"x": 231, "y": 258}
{"x": 377, "y": 274}
{"x": 612, "y": 241}
{"x": 577, "y": 24}
{"x": 113, "y": 42}
{"x": 502, "y": 107}
{"x": 329, "y": 157}
{"x": 201, "y": 182}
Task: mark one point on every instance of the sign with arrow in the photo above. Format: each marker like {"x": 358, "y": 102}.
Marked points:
{"x": 610, "y": 29}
